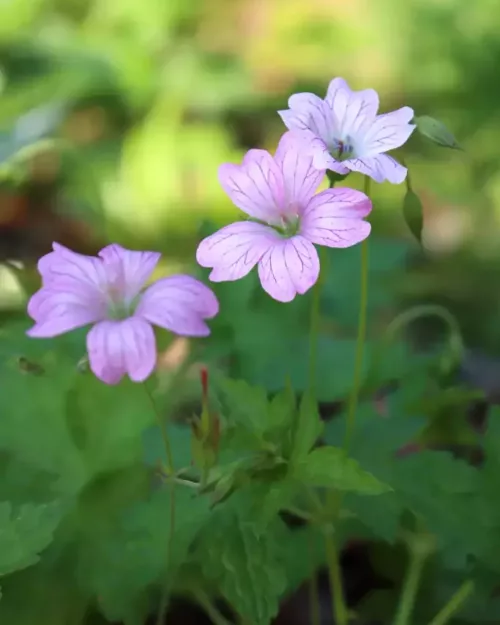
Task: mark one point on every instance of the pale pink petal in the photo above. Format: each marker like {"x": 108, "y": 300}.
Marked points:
{"x": 53, "y": 302}
{"x": 289, "y": 267}
{"x": 300, "y": 176}
{"x": 309, "y": 112}
{"x": 179, "y": 304}
{"x": 234, "y": 250}
{"x": 69, "y": 268}
{"x": 63, "y": 319}
{"x": 354, "y": 111}
{"x": 388, "y": 132}
{"x": 255, "y": 186}
{"x": 334, "y": 218}
{"x": 118, "y": 348}
{"x": 127, "y": 270}
{"x": 379, "y": 167}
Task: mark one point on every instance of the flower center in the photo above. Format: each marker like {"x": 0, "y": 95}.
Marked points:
{"x": 289, "y": 226}
{"x": 342, "y": 149}
{"x": 118, "y": 306}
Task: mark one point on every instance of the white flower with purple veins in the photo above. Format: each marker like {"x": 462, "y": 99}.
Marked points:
{"x": 108, "y": 291}
{"x": 344, "y": 132}
{"x": 286, "y": 220}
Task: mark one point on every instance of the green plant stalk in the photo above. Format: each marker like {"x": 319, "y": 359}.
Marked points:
{"x": 337, "y": 594}
{"x": 334, "y": 499}
{"x": 314, "y": 605}
{"x": 171, "y": 474}
{"x": 454, "y": 604}
{"x": 360, "y": 342}
{"x": 455, "y": 348}
{"x": 174, "y": 384}
{"x": 314, "y": 327}
{"x": 339, "y": 607}
{"x": 314, "y": 602}
{"x": 410, "y": 587}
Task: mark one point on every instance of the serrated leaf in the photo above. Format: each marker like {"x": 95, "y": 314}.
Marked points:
{"x": 413, "y": 214}
{"x": 330, "y": 467}
{"x": 436, "y": 131}
{"x": 308, "y": 428}
{"x": 24, "y": 533}
{"x": 246, "y": 565}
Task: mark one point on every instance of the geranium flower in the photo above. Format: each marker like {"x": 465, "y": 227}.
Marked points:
{"x": 107, "y": 291}
{"x": 344, "y": 132}
{"x": 287, "y": 219}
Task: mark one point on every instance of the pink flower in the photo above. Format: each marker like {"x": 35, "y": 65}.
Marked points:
{"x": 345, "y": 133}
{"x": 279, "y": 191}
{"x": 107, "y": 291}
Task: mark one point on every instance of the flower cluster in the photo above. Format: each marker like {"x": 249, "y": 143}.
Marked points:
{"x": 286, "y": 218}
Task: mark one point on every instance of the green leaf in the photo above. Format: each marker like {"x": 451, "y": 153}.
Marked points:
{"x": 330, "y": 467}
{"x": 436, "y": 131}
{"x": 24, "y": 533}
{"x": 122, "y": 562}
{"x": 335, "y": 366}
{"x": 106, "y": 422}
{"x": 308, "y": 429}
{"x": 245, "y": 564}
{"x": 180, "y": 442}
{"x": 304, "y": 554}
{"x": 33, "y": 411}
{"x": 413, "y": 214}
{"x": 243, "y": 405}
{"x": 340, "y": 297}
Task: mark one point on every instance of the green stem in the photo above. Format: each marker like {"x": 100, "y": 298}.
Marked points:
{"x": 339, "y": 606}
{"x": 456, "y": 345}
{"x": 411, "y": 586}
{"x": 360, "y": 343}
{"x": 315, "y": 316}
{"x": 454, "y": 604}
{"x": 314, "y": 603}
{"x": 313, "y": 333}
{"x": 171, "y": 471}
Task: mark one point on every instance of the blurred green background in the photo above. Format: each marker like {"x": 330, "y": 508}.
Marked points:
{"x": 115, "y": 115}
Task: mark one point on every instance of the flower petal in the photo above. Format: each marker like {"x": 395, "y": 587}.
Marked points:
{"x": 69, "y": 268}
{"x": 128, "y": 270}
{"x": 354, "y": 111}
{"x": 379, "y": 167}
{"x": 388, "y": 132}
{"x": 179, "y": 304}
{"x": 117, "y": 348}
{"x": 334, "y": 218}
{"x": 301, "y": 178}
{"x": 309, "y": 112}
{"x": 289, "y": 267}
{"x": 255, "y": 186}
{"x": 234, "y": 250}
{"x": 62, "y": 318}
